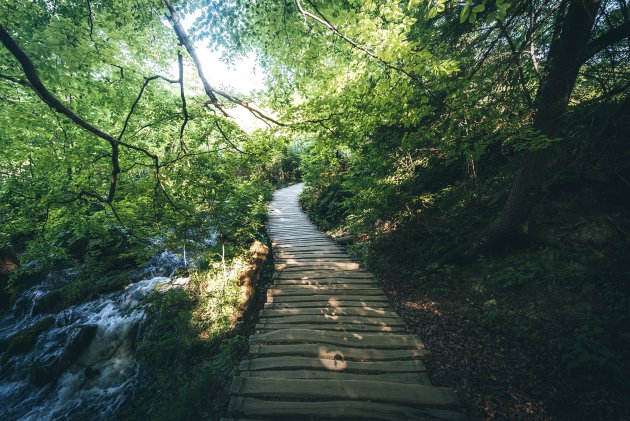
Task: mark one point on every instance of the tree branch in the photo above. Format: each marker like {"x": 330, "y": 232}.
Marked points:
{"x": 227, "y": 139}
{"x": 133, "y": 106}
{"x": 184, "y": 40}
{"x": 211, "y": 92}
{"x": 180, "y": 65}
{"x": 48, "y": 98}
{"x": 91, "y": 24}
{"x": 612, "y": 36}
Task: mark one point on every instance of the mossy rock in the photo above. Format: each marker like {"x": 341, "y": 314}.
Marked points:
{"x": 118, "y": 261}
{"x": 64, "y": 297}
{"x": 115, "y": 281}
{"x": 81, "y": 291}
{"x": 23, "y": 341}
{"x": 23, "y": 279}
{"x": 41, "y": 374}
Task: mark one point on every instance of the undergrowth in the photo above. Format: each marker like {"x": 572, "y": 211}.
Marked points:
{"x": 192, "y": 346}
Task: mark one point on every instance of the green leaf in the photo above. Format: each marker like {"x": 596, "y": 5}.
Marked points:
{"x": 464, "y": 14}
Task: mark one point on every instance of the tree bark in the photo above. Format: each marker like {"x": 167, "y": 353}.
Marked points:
{"x": 566, "y": 56}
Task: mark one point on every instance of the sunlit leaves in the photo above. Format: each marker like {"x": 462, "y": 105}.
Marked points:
{"x": 95, "y": 56}
{"x": 472, "y": 9}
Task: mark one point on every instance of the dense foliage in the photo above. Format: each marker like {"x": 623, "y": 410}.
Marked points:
{"x": 436, "y": 132}
{"x": 176, "y": 168}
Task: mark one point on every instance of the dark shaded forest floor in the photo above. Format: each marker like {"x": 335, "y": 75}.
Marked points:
{"x": 538, "y": 331}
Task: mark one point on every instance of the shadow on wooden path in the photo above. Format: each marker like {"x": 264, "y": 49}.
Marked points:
{"x": 327, "y": 345}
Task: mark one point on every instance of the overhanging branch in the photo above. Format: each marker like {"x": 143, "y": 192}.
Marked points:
{"x": 48, "y": 98}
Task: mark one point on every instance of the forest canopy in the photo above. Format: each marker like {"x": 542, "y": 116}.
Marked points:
{"x": 98, "y": 120}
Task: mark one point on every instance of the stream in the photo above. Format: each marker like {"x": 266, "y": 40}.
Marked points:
{"x": 86, "y": 357}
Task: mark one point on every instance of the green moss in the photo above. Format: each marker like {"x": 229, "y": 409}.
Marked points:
{"x": 24, "y": 340}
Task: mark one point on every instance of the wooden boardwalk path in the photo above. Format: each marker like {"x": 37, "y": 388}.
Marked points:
{"x": 327, "y": 345}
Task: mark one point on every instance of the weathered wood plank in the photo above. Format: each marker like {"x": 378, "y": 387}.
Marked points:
{"x": 293, "y": 232}
{"x": 297, "y": 241}
{"x": 336, "y": 352}
{"x": 326, "y": 282}
{"x": 330, "y": 303}
{"x": 347, "y": 266}
{"x": 352, "y": 311}
{"x": 289, "y": 261}
{"x": 331, "y": 410}
{"x": 398, "y": 393}
{"x": 307, "y": 265}
{"x": 310, "y": 257}
{"x": 318, "y": 298}
{"x": 332, "y": 288}
{"x": 366, "y": 340}
{"x": 418, "y": 377}
{"x": 280, "y": 291}
{"x": 323, "y": 275}
{"x": 333, "y": 327}
{"x": 325, "y": 364}
{"x": 302, "y": 245}
{"x": 320, "y": 318}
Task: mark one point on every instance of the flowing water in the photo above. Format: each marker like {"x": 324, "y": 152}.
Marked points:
{"x": 83, "y": 366}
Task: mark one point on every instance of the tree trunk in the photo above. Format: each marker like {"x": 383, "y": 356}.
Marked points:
{"x": 566, "y": 56}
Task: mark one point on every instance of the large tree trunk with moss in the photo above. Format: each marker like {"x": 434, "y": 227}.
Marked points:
{"x": 566, "y": 55}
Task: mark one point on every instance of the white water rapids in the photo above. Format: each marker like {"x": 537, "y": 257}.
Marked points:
{"x": 88, "y": 351}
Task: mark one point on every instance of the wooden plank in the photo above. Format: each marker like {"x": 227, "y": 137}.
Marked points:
{"x": 328, "y": 288}
{"x": 326, "y": 318}
{"x": 419, "y": 377}
{"x": 303, "y": 363}
{"x": 330, "y": 410}
{"x": 366, "y": 340}
{"x": 326, "y": 282}
{"x": 333, "y": 327}
{"x": 353, "y": 311}
{"x": 315, "y": 257}
{"x": 330, "y": 303}
{"x": 336, "y": 352}
{"x": 303, "y": 238}
{"x": 317, "y": 267}
{"x": 329, "y": 298}
{"x": 322, "y": 275}
{"x": 331, "y": 245}
{"x": 308, "y": 251}
{"x": 302, "y": 241}
{"x": 279, "y": 291}
{"x": 292, "y": 231}
{"x": 326, "y": 265}
{"x": 415, "y": 395}
{"x": 302, "y": 260}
